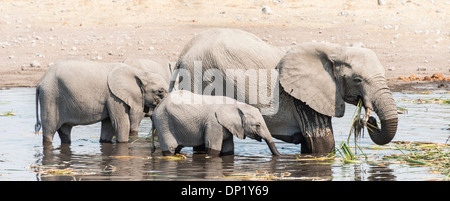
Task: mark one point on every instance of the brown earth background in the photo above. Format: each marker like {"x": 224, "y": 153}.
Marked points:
{"x": 409, "y": 37}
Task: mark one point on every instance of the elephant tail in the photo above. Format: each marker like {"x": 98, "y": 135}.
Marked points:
{"x": 37, "y": 126}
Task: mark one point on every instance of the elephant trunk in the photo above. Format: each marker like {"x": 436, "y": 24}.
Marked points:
{"x": 384, "y": 105}
{"x": 272, "y": 147}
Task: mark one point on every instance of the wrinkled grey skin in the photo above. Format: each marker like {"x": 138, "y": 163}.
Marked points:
{"x": 162, "y": 68}
{"x": 181, "y": 122}
{"x": 80, "y": 92}
{"x": 151, "y": 66}
{"x": 315, "y": 79}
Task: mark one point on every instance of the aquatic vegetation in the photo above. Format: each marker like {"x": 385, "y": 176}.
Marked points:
{"x": 7, "y": 113}
{"x": 402, "y": 110}
{"x": 44, "y": 171}
{"x": 130, "y": 157}
{"x": 176, "y": 157}
{"x": 266, "y": 176}
{"x": 346, "y": 153}
{"x": 436, "y": 156}
{"x": 438, "y": 101}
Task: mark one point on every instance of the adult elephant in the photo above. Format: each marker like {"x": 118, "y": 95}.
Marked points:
{"x": 315, "y": 81}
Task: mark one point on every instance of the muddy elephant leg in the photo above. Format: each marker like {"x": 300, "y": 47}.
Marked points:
{"x": 316, "y": 129}
{"x": 322, "y": 141}
{"x": 64, "y": 133}
{"x": 48, "y": 131}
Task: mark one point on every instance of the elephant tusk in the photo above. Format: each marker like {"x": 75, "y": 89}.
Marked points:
{"x": 367, "y": 114}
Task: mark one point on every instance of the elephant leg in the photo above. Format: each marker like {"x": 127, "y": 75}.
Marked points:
{"x": 120, "y": 120}
{"x": 199, "y": 149}
{"x": 122, "y": 129}
{"x": 136, "y": 117}
{"x": 48, "y": 118}
{"x": 167, "y": 142}
{"x": 227, "y": 147}
{"x": 178, "y": 149}
{"x": 318, "y": 144}
{"x": 107, "y": 132}
{"x": 213, "y": 139}
{"x": 48, "y": 131}
{"x": 64, "y": 133}
{"x": 316, "y": 129}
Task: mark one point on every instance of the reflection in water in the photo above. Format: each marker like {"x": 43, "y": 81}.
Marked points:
{"x": 132, "y": 161}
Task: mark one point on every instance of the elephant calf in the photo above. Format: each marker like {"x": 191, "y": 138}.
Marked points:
{"x": 80, "y": 92}
{"x": 184, "y": 119}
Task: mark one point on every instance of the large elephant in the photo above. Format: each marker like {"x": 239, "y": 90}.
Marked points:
{"x": 187, "y": 119}
{"x": 315, "y": 81}
{"x": 81, "y": 92}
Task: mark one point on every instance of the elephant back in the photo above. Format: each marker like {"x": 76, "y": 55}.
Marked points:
{"x": 225, "y": 51}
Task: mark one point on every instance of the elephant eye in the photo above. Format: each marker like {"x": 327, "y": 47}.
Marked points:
{"x": 357, "y": 79}
{"x": 161, "y": 90}
{"x": 258, "y": 125}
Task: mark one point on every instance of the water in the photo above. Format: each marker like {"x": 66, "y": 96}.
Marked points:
{"x": 22, "y": 156}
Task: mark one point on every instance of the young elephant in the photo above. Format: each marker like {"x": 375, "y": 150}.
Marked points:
{"x": 184, "y": 119}
{"x": 80, "y": 92}
{"x": 151, "y": 66}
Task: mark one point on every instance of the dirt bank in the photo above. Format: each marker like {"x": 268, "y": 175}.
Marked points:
{"x": 409, "y": 37}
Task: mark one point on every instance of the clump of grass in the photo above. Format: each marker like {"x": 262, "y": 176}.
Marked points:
{"x": 348, "y": 156}
{"x": 402, "y": 110}
{"x": 176, "y": 157}
{"x": 358, "y": 123}
{"x": 432, "y": 155}
{"x": 7, "y": 114}
{"x": 356, "y": 129}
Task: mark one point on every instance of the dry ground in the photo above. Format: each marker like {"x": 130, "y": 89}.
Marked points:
{"x": 409, "y": 37}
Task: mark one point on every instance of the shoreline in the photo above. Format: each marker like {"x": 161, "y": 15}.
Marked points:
{"x": 394, "y": 86}
{"x": 408, "y": 38}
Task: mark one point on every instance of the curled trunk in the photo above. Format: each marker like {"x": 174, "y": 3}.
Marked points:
{"x": 384, "y": 105}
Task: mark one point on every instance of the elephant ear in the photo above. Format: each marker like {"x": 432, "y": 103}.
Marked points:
{"x": 232, "y": 118}
{"x": 307, "y": 73}
{"x": 124, "y": 82}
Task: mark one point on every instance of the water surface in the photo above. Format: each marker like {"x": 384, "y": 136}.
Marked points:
{"x": 22, "y": 156}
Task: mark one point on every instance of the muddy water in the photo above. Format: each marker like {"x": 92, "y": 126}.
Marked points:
{"x": 22, "y": 156}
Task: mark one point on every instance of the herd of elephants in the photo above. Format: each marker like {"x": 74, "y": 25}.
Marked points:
{"x": 305, "y": 86}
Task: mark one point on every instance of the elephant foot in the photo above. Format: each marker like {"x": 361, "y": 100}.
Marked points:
{"x": 212, "y": 153}
{"x": 167, "y": 153}
{"x": 106, "y": 141}
{"x": 228, "y": 153}
{"x": 133, "y": 133}
{"x": 47, "y": 144}
{"x": 199, "y": 149}
{"x": 47, "y": 141}
{"x": 178, "y": 149}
